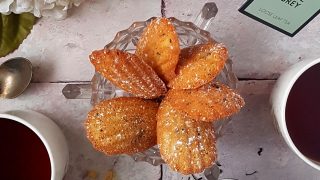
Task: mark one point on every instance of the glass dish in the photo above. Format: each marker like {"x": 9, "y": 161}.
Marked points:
{"x": 189, "y": 34}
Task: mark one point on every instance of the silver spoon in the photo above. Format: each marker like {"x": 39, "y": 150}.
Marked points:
{"x": 15, "y": 76}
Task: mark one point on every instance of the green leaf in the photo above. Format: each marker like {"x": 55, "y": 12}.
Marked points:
{"x": 14, "y": 28}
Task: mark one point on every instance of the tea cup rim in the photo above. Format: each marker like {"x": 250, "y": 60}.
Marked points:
{"x": 37, "y": 132}
{"x": 295, "y": 72}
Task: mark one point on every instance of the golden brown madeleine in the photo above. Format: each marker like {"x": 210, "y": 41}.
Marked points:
{"x": 159, "y": 47}
{"x": 122, "y": 125}
{"x": 210, "y": 102}
{"x": 128, "y": 72}
{"x": 187, "y": 146}
{"x": 198, "y": 65}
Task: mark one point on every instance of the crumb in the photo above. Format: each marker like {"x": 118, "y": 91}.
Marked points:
{"x": 110, "y": 175}
{"x": 91, "y": 175}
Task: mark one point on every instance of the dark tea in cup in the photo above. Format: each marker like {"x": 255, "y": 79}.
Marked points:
{"x": 23, "y": 156}
{"x": 303, "y": 113}
{"x": 295, "y": 106}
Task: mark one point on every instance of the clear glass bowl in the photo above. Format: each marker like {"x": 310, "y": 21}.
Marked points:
{"x": 189, "y": 35}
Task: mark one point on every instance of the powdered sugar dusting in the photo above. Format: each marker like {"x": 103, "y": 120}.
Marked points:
{"x": 117, "y": 126}
{"x": 211, "y": 102}
{"x": 128, "y": 72}
{"x": 184, "y": 143}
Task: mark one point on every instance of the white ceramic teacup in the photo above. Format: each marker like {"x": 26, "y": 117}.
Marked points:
{"x": 51, "y": 136}
{"x": 278, "y": 102}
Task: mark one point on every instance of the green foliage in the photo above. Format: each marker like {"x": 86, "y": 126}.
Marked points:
{"x": 14, "y": 28}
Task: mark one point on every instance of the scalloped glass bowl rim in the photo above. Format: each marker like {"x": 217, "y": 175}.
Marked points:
{"x": 145, "y": 23}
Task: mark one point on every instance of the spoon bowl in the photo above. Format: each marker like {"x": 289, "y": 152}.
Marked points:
{"x": 15, "y": 76}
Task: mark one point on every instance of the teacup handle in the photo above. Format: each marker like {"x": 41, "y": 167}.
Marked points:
{"x": 84, "y": 90}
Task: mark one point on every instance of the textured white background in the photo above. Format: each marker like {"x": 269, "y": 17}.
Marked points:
{"x": 59, "y": 51}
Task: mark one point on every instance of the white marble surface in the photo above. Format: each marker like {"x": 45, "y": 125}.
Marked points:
{"x": 47, "y": 98}
{"x": 238, "y": 147}
{"x": 55, "y": 46}
{"x": 251, "y": 130}
{"x": 258, "y": 51}
{"x": 59, "y": 51}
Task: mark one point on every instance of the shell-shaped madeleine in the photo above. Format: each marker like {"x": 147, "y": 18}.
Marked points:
{"x": 210, "y": 102}
{"x": 122, "y": 125}
{"x": 198, "y": 65}
{"x": 186, "y": 145}
{"x": 159, "y": 47}
{"x": 128, "y": 72}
